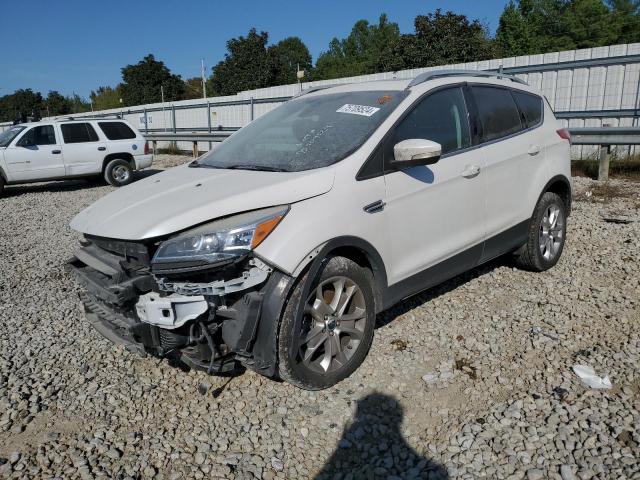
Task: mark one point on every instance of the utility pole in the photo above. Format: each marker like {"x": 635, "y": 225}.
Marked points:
{"x": 204, "y": 82}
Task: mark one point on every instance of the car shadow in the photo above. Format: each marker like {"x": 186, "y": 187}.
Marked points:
{"x": 68, "y": 185}
{"x": 373, "y": 446}
{"x": 408, "y": 304}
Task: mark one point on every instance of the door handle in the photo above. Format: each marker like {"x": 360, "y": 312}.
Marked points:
{"x": 470, "y": 171}
{"x": 56, "y": 152}
{"x": 534, "y": 150}
{"x": 102, "y": 149}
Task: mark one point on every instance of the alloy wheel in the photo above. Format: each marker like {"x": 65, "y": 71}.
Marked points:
{"x": 333, "y": 325}
{"x": 551, "y": 232}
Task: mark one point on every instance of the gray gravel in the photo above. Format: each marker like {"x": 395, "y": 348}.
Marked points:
{"x": 470, "y": 379}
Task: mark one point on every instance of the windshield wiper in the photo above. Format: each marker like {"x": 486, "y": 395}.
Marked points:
{"x": 259, "y": 168}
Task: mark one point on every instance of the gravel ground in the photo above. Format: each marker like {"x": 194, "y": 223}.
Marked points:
{"x": 470, "y": 379}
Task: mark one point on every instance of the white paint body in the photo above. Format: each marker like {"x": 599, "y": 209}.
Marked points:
{"x": 431, "y": 213}
{"x": 62, "y": 160}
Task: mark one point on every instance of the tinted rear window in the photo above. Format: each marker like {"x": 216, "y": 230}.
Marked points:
{"x": 530, "y": 106}
{"x": 498, "y": 113}
{"x": 78, "y": 133}
{"x": 116, "y": 130}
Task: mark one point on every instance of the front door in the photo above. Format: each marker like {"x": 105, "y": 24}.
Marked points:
{"x": 435, "y": 214}
{"x": 35, "y": 155}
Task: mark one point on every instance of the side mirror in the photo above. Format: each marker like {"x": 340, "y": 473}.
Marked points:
{"x": 414, "y": 152}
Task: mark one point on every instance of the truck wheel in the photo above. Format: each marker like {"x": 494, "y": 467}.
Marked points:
{"x": 336, "y": 329}
{"x": 547, "y": 233}
{"x": 118, "y": 173}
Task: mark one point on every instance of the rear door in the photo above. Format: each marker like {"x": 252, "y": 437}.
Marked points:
{"x": 435, "y": 213}
{"x": 122, "y": 138}
{"x": 35, "y": 155}
{"x": 83, "y": 149}
{"x": 510, "y": 154}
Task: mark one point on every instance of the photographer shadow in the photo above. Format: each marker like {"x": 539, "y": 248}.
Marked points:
{"x": 373, "y": 447}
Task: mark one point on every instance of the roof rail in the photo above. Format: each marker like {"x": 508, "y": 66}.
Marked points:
{"x": 426, "y": 76}
{"x": 316, "y": 89}
{"x": 89, "y": 117}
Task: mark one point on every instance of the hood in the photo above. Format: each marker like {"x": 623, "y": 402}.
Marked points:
{"x": 183, "y": 197}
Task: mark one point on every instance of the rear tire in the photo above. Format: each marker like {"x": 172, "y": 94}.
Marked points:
{"x": 547, "y": 234}
{"x": 334, "y": 334}
{"x": 118, "y": 173}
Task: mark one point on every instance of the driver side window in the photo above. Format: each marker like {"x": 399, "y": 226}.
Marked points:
{"x": 41, "y": 135}
{"x": 441, "y": 117}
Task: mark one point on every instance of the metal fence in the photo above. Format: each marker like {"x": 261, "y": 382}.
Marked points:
{"x": 586, "y": 88}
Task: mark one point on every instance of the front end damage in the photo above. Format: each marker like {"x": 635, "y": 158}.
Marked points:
{"x": 210, "y": 318}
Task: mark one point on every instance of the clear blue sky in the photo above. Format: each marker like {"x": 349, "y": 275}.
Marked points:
{"x": 78, "y": 45}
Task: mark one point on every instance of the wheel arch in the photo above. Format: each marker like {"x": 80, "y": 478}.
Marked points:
{"x": 118, "y": 156}
{"x": 357, "y": 250}
{"x": 561, "y": 186}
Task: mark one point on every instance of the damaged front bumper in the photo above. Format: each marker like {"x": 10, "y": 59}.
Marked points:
{"x": 209, "y": 320}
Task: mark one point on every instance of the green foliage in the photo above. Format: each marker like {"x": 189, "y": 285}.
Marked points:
{"x": 105, "y": 98}
{"x": 245, "y": 66}
{"x": 21, "y": 104}
{"x": 193, "y": 88}
{"x": 443, "y": 38}
{"x": 540, "y": 26}
{"x": 284, "y": 59}
{"x": 367, "y": 49}
{"x": 141, "y": 83}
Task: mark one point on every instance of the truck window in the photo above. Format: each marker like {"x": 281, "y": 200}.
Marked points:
{"x": 530, "y": 107}
{"x": 497, "y": 111}
{"x": 116, "y": 130}
{"x": 78, "y": 133}
{"x": 40, "y": 135}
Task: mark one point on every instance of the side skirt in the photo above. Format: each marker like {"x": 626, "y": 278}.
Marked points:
{"x": 504, "y": 242}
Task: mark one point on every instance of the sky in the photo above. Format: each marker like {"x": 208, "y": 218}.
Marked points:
{"x": 74, "y": 46}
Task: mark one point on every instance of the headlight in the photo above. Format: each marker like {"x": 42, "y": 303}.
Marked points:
{"x": 221, "y": 240}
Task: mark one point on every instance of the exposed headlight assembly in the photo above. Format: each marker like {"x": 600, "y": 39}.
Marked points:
{"x": 218, "y": 241}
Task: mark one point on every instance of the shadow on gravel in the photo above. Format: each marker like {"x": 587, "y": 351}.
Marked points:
{"x": 425, "y": 296}
{"x": 373, "y": 446}
{"x": 68, "y": 185}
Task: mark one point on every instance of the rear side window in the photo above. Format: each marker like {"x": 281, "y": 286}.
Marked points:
{"x": 530, "y": 107}
{"x": 441, "y": 117}
{"x": 116, "y": 130}
{"x": 497, "y": 111}
{"x": 41, "y": 135}
{"x": 78, "y": 133}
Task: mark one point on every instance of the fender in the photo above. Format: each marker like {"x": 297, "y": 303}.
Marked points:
{"x": 566, "y": 196}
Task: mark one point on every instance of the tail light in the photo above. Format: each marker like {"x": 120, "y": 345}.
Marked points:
{"x": 146, "y": 148}
{"x": 564, "y": 134}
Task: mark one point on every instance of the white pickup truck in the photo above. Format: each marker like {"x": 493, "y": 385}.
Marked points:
{"x": 82, "y": 147}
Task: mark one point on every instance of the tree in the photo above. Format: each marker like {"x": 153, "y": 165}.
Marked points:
{"x": 21, "y": 104}
{"x": 514, "y": 35}
{"x": 105, "y": 98}
{"x": 141, "y": 83}
{"x": 245, "y": 66}
{"x": 57, "y": 104}
{"x": 367, "y": 49}
{"x": 627, "y": 15}
{"x": 443, "y": 38}
{"x": 284, "y": 59}
{"x": 193, "y": 88}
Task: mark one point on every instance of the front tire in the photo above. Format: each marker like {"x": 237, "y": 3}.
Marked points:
{"x": 118, "y": 173}
{"x": 336, "y": 328}
{"x": 547, "y": 233}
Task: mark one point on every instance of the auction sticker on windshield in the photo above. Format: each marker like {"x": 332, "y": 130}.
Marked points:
{"x": 363, "y": 110}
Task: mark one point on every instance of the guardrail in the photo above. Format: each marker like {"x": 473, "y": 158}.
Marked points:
{"x": 603, "y": 136}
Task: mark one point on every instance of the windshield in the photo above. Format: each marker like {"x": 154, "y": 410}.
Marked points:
{"x": 10, "y": 134}
{"x": 306, "y": 133}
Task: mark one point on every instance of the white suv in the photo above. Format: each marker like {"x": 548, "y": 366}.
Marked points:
{"x": 278, "y": 249}
{"x": 61, "y": 149}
